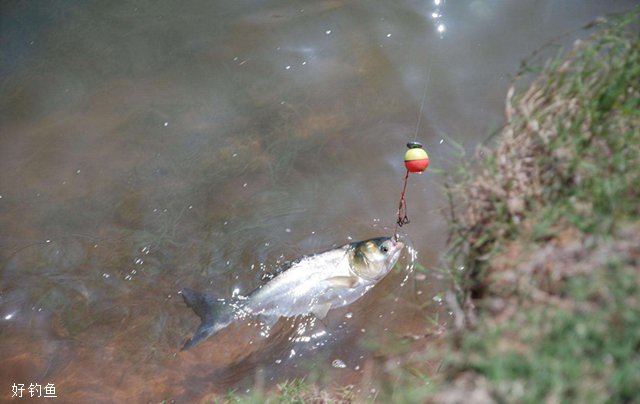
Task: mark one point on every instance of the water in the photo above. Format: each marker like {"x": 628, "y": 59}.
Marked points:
{"x": 150, "y": 146}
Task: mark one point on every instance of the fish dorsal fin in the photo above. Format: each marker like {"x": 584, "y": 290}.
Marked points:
{"x": 269, "y": 275}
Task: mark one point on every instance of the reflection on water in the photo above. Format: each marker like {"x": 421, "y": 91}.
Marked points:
{"x": 149, "y": 146}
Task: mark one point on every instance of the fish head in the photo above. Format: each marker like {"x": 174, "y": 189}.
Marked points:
{"x": 373, "y": 259}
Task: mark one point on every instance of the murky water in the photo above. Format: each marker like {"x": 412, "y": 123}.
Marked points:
{"x": 150, "y": 146}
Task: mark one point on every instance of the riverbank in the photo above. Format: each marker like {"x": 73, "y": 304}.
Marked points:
{"x": 549, "y": 236}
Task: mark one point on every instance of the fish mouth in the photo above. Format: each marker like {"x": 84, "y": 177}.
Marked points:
{"x": 395, "y": 255}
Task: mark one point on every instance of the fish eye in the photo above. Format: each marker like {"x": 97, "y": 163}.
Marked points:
{"x": 384, "y": 248}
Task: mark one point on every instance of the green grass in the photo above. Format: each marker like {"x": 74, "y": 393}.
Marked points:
{"x": 571, "y": 327}
{"x": 567, "y": 354}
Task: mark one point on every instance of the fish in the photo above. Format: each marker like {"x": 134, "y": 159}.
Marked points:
{"x": 312, "y": 284}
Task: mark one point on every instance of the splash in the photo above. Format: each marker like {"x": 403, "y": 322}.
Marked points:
{"x": 408, "y": 260}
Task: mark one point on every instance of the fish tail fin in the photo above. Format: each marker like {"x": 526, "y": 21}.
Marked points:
{"x": 213, "y": 314}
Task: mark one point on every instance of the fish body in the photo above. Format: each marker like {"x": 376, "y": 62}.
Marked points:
{"x": 311, "y": 284}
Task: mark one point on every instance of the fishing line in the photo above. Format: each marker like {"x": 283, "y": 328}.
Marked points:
{"x": 402, "y": 208}
{"x": 424, "y": 97}
{"x": 416, "y": 160}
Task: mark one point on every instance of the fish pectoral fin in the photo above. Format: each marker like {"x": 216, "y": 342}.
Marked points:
{"x": 343, "y": 281}
{"x": 321, "y": 310}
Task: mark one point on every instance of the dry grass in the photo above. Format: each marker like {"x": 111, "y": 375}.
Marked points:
{"x": 576, "y": 122}
{"x": 549, "y": 234}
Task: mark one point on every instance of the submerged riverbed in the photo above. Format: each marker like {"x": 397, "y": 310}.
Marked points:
{"x": 148, "y": 147}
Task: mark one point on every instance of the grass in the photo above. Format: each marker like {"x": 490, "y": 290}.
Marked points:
{"x": 547, "y": 228}
{"x": 549, "y": 232}
{"x": 294, "y": 392}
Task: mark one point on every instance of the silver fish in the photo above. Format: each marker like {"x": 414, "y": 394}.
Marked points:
{"x": 311, "y": 284}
